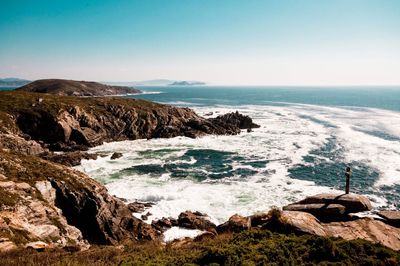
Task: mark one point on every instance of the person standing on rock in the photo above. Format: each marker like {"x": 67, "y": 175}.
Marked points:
{"x": 348, "y": 175}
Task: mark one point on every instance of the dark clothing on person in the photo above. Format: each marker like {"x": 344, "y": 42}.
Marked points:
{"x": 348, "y": 175}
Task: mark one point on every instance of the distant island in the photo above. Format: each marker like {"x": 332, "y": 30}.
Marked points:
{"x": 13, "y": 82}
{"x": 65, "y": 87}
{"x": 187, "y": 83}
{"x": 155, "y": 82}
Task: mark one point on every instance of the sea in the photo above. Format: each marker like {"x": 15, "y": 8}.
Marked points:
{"x": 308, "y": 136}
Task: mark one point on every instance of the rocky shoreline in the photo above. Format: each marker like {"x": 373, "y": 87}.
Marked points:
{"x": 45, "y": 204}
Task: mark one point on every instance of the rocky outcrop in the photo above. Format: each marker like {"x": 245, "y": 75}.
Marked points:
{"x": 236, "y": 223}
{"x": 235, "y": 119}
{"x": 101, "y": 218}
{"x": 195, "y": 220}
{"x": 139, "y": 207}
{"x": 19, "y": 144}
{"x": 323, "y": 211}
{"x": 43, "y": 201}
{"x": 304, "y": 223}
{"x": 65, "y": 87}
{"x": 116, "y": 155}
{"x": 391, "y": 217}
{"x": 330, "y": 207}
{"x": 68, "y": 158}
{"x": 367, "y": 229}
{"x": 71, "y": 123}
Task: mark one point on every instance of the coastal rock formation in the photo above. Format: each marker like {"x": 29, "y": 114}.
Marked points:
{"x": 305, "y": 223}
{"x": 235, "y": 119}
{"x": 331, "y": 207}
{"x": 323, "y": 211}
{"x": 195, "y": 220}
{"x": 367, "y": 229}
{"x": 69, "y": 158}
{"x": 73, "y": 123}
{"x": 236, "y": 223}
{"x": 43, "y": 201}
{"x": 116, "y": 155}
{"x": 391, "y": 217}
{"x": 65, "y": 87}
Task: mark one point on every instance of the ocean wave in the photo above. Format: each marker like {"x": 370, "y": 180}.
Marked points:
{"x": 257, "y": 166}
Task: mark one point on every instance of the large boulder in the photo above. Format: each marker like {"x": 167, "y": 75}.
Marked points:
{"x": 302, "y": 222}
{"x": 353, "y": 203}
{"x": 320, "y": 210}
{"x": 288, "y": 222}
{"x": 367, "y": 229}
{"x": 195, "y": 220}
{"x": 391, "y": 217}
{"x": 236, "y": 223}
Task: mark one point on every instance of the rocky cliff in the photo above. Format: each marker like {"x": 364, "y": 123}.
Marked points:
{"x": 71, "y": 123}
{"x": 44, "y": 204}
{"x": 75, "y": 88}
{"x": 59, "y": 206}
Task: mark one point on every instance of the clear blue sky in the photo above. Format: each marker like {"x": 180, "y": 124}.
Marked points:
{"x": 222, "y": 42}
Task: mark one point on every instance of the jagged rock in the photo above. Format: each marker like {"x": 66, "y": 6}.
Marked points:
{"x": 19, "y": 144}
{"x": 101, "y": 218}
{"x": 163, "y": 224}
{"x": 116, "y": 155}
{"x": 352, "y": 202}
{"x": 145, "y": 216}
{"x": 367, "y": 229}
{"x": 37, "y": 245}
{"x": 391, "y": 217}
{"x": 236, "y": 223}
{"x": 69, "y": 158}
{"x": 194, "y": 220}
{"x": 80, "y": 123}
{"x": 320, "y": 210}
{"x": 258, "y": 219}
{"x": 236, "y": 119}
{"x": 139, "y": 207}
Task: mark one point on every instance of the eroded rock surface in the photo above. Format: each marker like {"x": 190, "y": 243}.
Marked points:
{"x": 43, "y": 201}
{"x": 391, "y": 217}
{"x": 195, "y": 220}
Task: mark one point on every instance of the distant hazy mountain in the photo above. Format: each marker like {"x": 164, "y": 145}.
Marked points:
{"x": 187, "y": 83}
{"x": 155, "y": 82}
{"x": 13, "y": 82}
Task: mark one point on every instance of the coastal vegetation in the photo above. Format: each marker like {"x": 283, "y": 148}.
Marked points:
{"x": 51, "y": 214}
{"x": 254, "y": 247}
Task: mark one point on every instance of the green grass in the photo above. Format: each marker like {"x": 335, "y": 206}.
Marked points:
{"x": 255, "y": 247}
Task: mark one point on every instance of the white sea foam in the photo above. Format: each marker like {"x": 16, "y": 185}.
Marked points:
{"x": 287, "y": 134}
{"x": 177, "y": 233}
